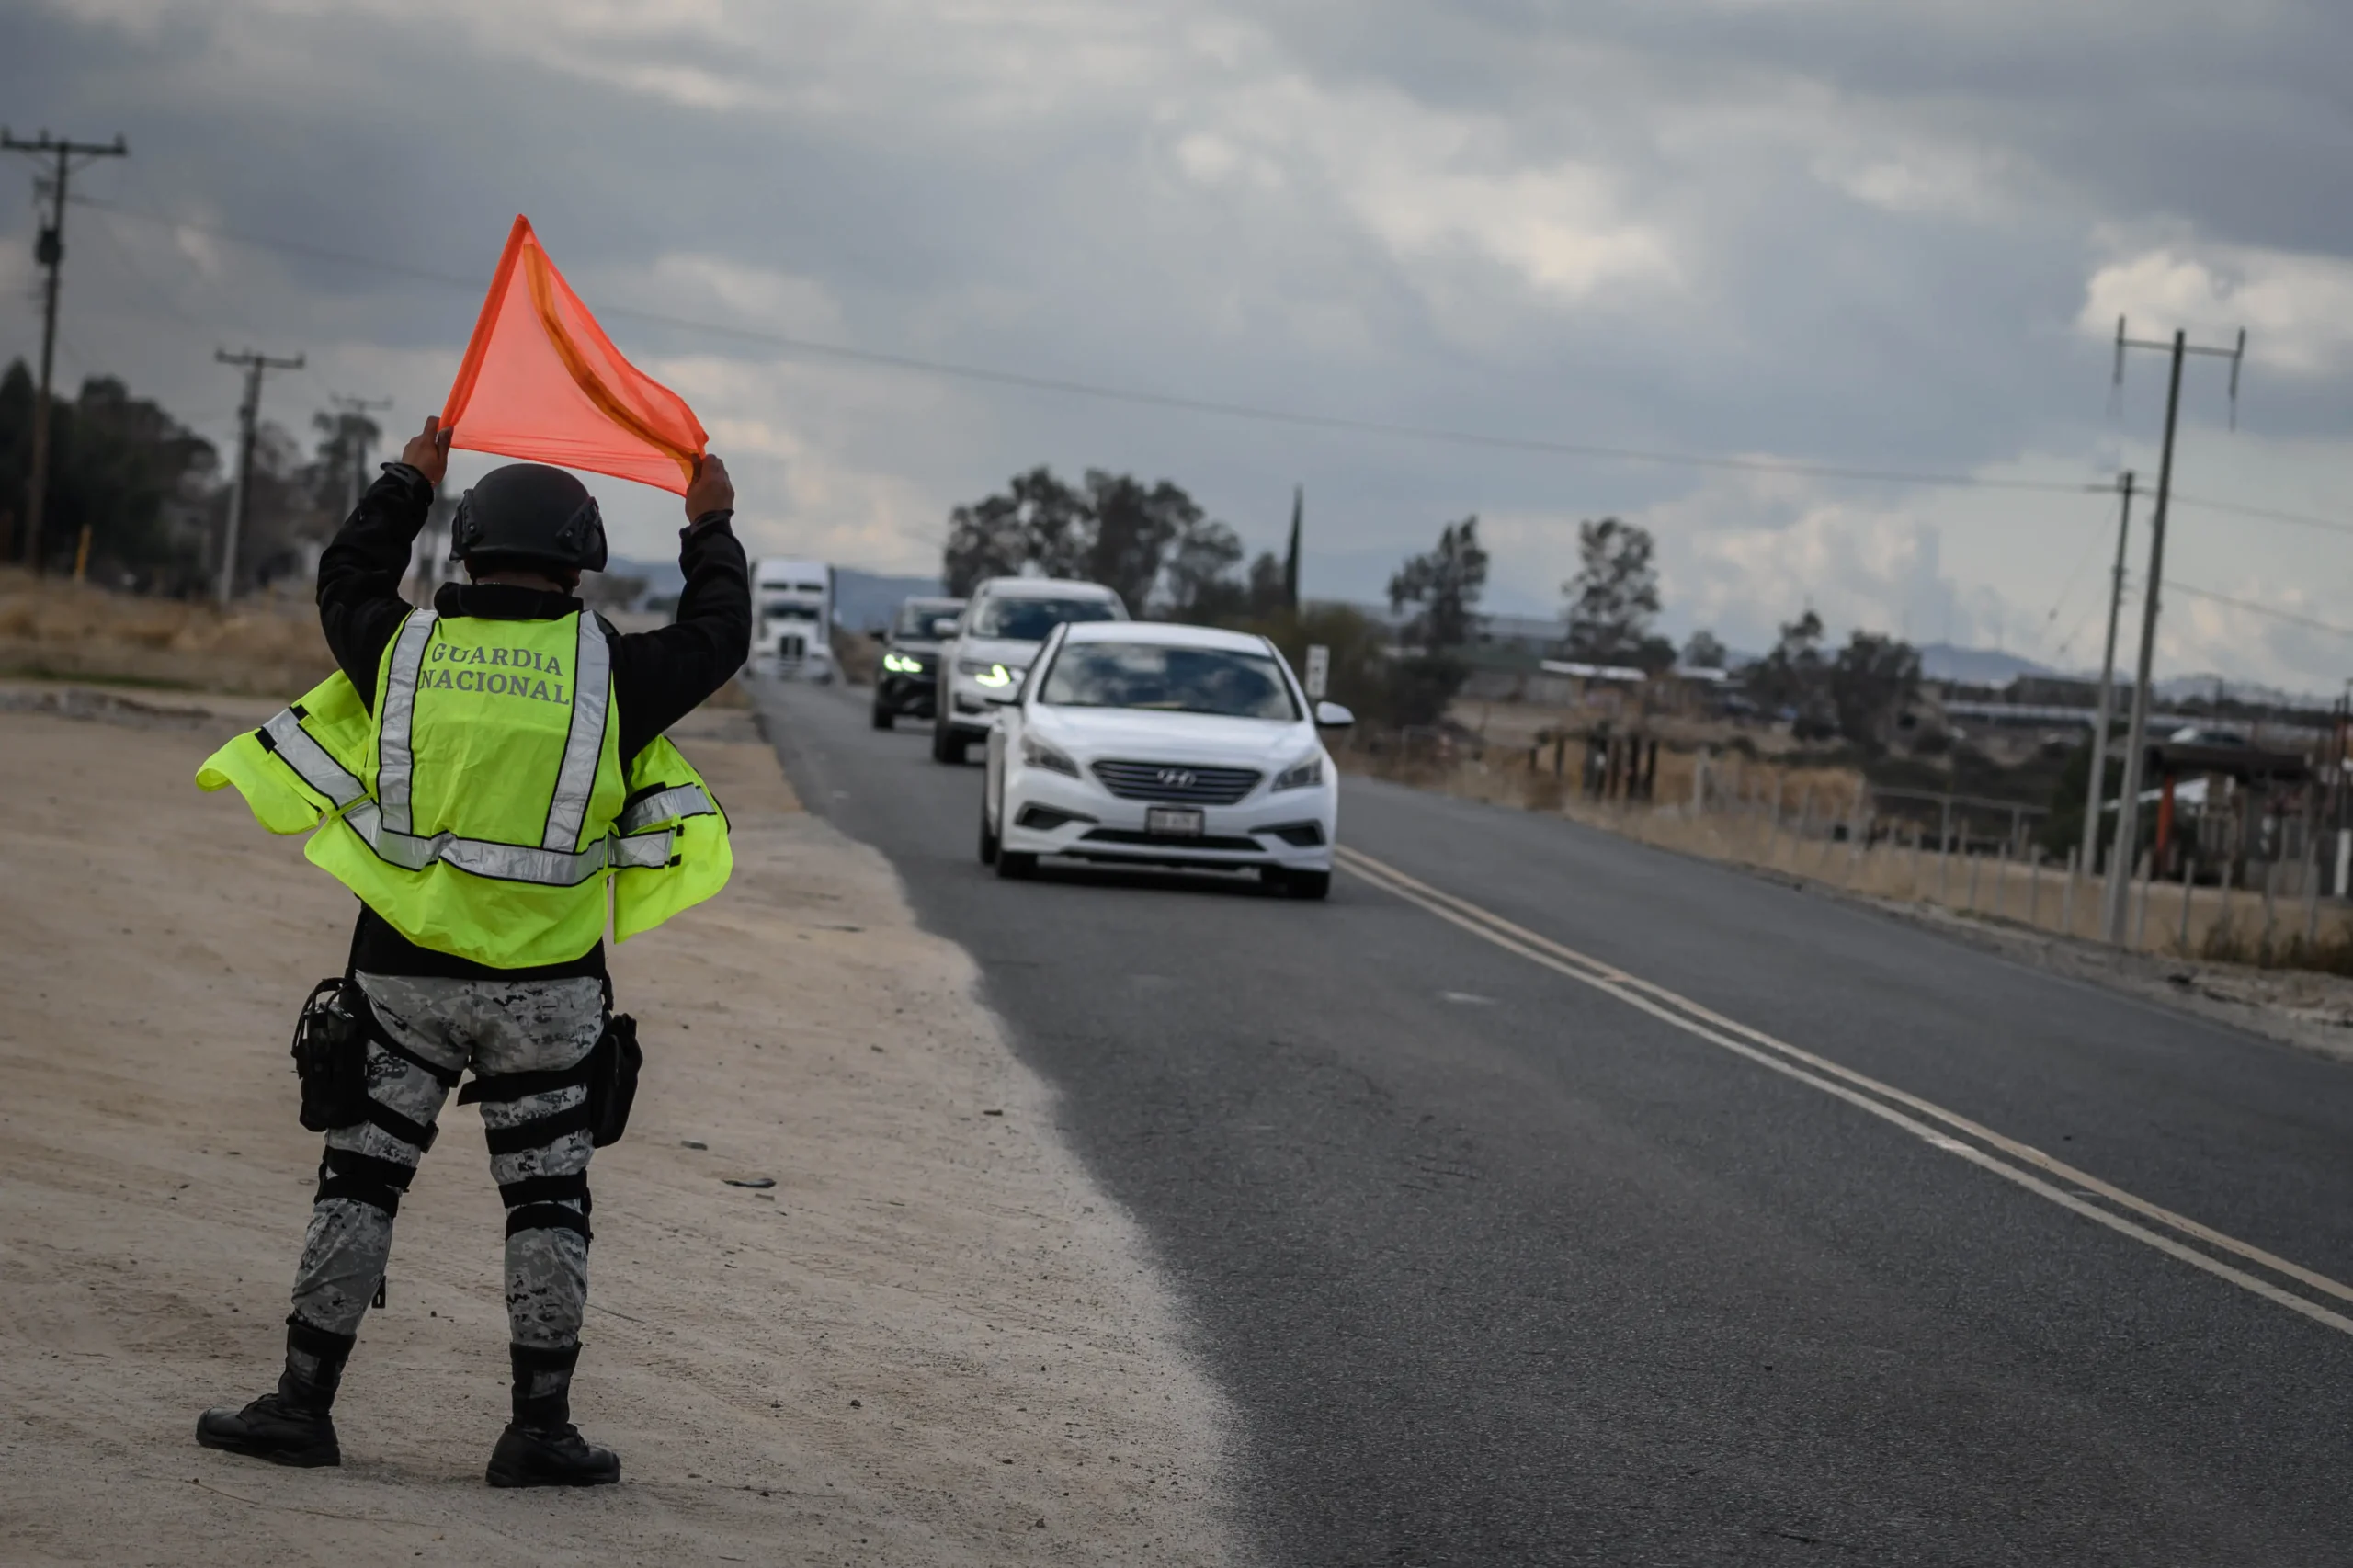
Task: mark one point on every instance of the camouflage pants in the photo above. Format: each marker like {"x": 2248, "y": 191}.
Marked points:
{"x": 539, "y": 1146}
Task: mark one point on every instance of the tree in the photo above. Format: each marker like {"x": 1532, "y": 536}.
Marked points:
{"x": 1040, "y": 523}
{"x": 121, "y": 466}
{"x": 1269, "y": 586}
{"x": 283, "y": 513}
{"x": 1444, "y": 587}
{"x": 1200, "y": 577}
{"x": 1363, "y": 676}
{"x": 1614, "y": 595}
{"x": 1153, "y": 545}
{"x": 1869, "y": 683}
{"x": 344, "y": 435}
{"x": 1793, "y": 678}
{"x": 1703, "y": 652}
{"x": 1134, "y": 529}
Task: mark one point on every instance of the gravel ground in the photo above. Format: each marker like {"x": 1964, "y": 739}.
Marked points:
{"x": 932, "y": 1340}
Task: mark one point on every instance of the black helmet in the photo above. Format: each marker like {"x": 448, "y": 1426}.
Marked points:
{"x": 529, "y": 513}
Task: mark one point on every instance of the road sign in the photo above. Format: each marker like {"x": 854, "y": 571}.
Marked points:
{"x": 1319, "y": 671}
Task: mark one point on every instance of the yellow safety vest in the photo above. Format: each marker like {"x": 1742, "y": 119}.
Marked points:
{"x": 482, "y": 808}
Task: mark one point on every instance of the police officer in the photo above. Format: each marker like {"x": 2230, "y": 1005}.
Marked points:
{"x": 485, "y": 775}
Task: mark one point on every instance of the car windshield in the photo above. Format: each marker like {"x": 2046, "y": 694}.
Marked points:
{"x": 1019, "y": 617}
{"x": 1169, "y": 679}
{"x": 790, "y": 609}
{"x": 921, "y": 623}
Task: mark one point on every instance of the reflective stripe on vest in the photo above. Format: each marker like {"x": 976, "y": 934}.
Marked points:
{"x": 325, "y": 775}
{"x": 395, "y": 765}
{"x": 506, "y": 862}
{"x": 592, "y": 685}
{"x": 384, "y": 823}
{"x": 550, "y": 865}
{"x": 680, "y": 801}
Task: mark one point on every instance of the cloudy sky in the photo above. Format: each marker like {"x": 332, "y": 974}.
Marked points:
{"x": 1852, "y": 233}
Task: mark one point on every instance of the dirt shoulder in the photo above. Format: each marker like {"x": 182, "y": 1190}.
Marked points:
{"x": 931, "y": 1341}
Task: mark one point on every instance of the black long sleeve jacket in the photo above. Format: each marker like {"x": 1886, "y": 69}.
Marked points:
{"x": 659, "y": 676}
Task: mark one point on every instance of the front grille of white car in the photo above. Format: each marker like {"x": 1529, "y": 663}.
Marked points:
{"x": 1186, "y": 782}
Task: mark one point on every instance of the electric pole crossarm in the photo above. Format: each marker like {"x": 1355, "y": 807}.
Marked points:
{"x": 48, "y": 252}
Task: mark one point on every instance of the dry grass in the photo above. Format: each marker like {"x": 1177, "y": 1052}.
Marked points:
{"x": 1808, "y": 841}
{"x": 55, "y": 630}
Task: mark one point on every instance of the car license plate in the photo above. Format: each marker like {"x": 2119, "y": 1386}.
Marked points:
{"x": 1173, "y": 821}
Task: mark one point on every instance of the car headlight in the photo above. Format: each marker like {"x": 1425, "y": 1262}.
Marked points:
{"x": 901, "y": 665}
{"x": 986, "y": 673}
{"x": 1037, "y": 754}
{"x": 1299, "y": 774}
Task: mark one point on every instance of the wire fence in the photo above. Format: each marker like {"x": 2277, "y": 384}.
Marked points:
{"x": 1973, "y": 855}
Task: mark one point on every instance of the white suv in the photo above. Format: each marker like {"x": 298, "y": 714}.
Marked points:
{"x": 998, "y": 634}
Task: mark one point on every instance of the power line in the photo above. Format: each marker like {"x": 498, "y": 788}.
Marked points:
{"x": 2268, "y": 514}
{"x": 2252, "y": 607}
{"x": 990, "y": 375}
{"x": 1175, "y": 401}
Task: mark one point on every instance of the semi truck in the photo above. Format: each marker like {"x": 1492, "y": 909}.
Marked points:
{"x": 793, "y": 618}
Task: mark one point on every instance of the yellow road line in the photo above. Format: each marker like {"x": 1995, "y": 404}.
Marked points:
{"x": 1858, "y": 1090}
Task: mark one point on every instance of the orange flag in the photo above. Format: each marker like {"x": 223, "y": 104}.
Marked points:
{"x": 541, "y": 382}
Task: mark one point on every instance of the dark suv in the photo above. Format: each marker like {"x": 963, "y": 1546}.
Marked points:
{"x": 908, "y": 681}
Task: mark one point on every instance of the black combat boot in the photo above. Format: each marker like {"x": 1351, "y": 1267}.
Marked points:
{"x": 292, "y": 1425}
{"x": 541, "y": 1447}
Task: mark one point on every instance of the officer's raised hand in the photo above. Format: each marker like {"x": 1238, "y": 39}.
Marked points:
{"x": 710, "y": 490}
{"x": 428, "y": 451}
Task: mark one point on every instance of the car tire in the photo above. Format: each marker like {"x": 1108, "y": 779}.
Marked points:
{"x": 947, "y": 746}
{"x": 1016, "y": 865}
{"x": 988, "y": 840}
{"x": 1304, "y": 884}
{"x": 882, "y": 717}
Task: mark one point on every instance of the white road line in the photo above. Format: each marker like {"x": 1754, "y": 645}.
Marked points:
{"x": 2010, "y": 1146}
{"x": 1849, "y": 1085}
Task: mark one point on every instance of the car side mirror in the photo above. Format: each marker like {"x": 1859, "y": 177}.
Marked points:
{"x": 1331, "y": 716}
{"x": 1003, "y": 697}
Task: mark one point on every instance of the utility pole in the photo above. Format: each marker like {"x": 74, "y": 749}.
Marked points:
{"x": 2097, "y": 790}
{"x": 49, "y": 250}
{"x": 2127, "y": 805}
{"x": 357, "y": 428}
{"x": 1290, "y": 556}
{"x": 249, "y": 414}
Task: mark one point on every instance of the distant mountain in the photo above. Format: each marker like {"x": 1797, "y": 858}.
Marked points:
{"x": 865, "y": 600}
{"x": 663, "y": 579}
{"x": 1976, "y": 667}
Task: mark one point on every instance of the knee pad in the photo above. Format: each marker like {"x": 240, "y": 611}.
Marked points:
{"x": 540, "y": 1203}
{"x": 363, "y": 1178}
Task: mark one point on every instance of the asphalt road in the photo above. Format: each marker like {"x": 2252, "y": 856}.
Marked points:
{"x": 1501, "y": 1265}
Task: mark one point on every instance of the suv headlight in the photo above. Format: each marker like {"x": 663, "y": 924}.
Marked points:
{"x": 988, "y": 673}
{"x": 902, "y": 664}
{"x": 1300, "y": 775}
{"x": 1037, "y": 754}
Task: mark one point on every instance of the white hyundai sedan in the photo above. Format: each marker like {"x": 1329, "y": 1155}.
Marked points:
{"x": 1142, "y": 743}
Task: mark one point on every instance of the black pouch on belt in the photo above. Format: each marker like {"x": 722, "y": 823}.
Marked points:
{"x": 612, "y": 1075}
{"x": 331, "y": 1055}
